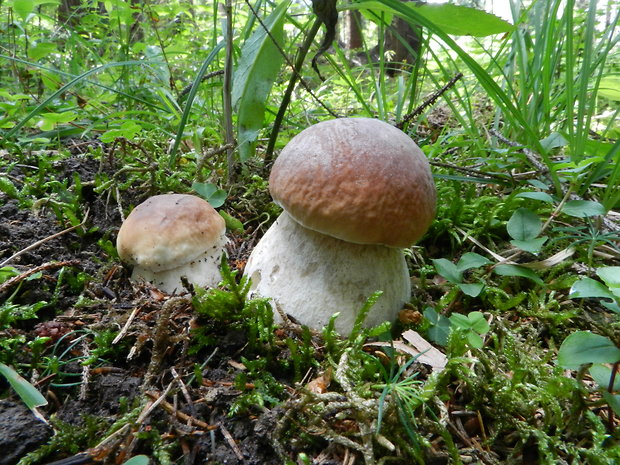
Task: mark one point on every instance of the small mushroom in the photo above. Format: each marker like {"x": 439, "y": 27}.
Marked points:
{"x": 173, "y": 235}
{"x": 354, "y": 192}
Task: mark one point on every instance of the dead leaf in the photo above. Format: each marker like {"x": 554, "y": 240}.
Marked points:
{"x": 418, "y": 347}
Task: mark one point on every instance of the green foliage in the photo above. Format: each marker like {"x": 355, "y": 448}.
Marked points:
{"x": 260, "y": 389}
{"x": 210, "y": 192}
{"x": 584, "y": 347}
{"x": 524, "y": 227}
{"x": 258, "y": 67}
{"x": 454, "y": 273}
{"x": 26, "y": 391}
{"x": 230, "y": 305}
{"x": 472, "y": 326}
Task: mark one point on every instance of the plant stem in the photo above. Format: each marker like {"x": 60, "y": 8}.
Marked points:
{"x": 228, "y": 72}
{"x": 286, "y": 98}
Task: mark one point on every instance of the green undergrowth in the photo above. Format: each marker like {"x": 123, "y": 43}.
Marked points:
{"x": 516, "y": 282}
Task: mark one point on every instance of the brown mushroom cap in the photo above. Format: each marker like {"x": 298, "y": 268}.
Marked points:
{"x": 357, "y": 179}
{"x": 167, "y": 231}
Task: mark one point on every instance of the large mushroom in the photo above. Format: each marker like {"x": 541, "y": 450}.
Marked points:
{"x": 173, "y": 235}
{"x": 355, "y": 191}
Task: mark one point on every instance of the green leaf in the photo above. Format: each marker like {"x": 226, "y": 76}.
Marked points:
{"x": 258, "y": 67}
{"x": 610, "y": 87}
{"x": 524, "y": 225}
{"x": 138, "y": 460}
{"x": 450, "y": 19}
{"x": 585, "y": 347}
{"x": 7, "y": 186}
{"x": 26, "y": 391}
{"x": 471, "y": 260}
{"x": 232, "y": 223}
{"x": 553, "y": 141}
{"x": 588, "y": 288}
{"x": 7, "y": 272}
{"x": 611, "y": 276}
{"x": 602, "y": 375}
{"x": 611, "y": 306}
{"x": 50, "y": 120}
{"x": 441, "y": 326}
{"x": 474, "y": 340}
{"x": 211, "y": 193}
{"x": 613, "y": 400}
{"x": 583, "y": 208}
{"x": 460, "y": 321}
{"x": 472, "y": 290}
{"x": 478, "y": 322}
{"x": 532, "y": 246}
{"x": 516, "y": 270}
{"x": 462, "y": 21}
{"x": 42, "y": 49}
{"x": 23, "y": 8}
{"x": 128, "y": 130}
{"x": 448, "y": 270}
{"x": 542, "y": 196}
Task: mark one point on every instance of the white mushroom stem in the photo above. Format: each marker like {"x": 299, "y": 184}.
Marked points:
{"x": 312, "y": 276}
{"x": 203, "y": 271}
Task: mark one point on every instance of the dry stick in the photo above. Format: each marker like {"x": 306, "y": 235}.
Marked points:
{"x": 532, "y": 156}
{"x": 46, "y": 266}
{"x": 286, "y": 98}
{"x": 462, "y": 169}
{"x": 43, "y": 241}
{"x": 188, "y": 399}
{"x": 123, "y": 331}
{"x": 231, "y": 442}
{"x": 187, "y": 89}
{"x": 160, "y": 339}
{"x": 289, "y": 63}
{"x": 429, "y": 101}
{"x": 207, "y": 155}
{"x": 168, "y": 407}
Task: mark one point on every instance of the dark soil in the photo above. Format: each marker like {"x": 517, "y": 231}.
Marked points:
{"x": 95, "y": 296}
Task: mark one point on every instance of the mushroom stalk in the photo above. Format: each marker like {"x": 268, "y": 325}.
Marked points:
{"x": 311, "y": 276}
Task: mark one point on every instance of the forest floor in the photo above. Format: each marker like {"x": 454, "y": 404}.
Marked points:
{"x": 105, "y": 304}
{"x": 143, "y": 388}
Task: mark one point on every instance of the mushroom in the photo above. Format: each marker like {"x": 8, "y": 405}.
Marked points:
{"x": 354, "y": 192}
{"x": 173, "y": 235}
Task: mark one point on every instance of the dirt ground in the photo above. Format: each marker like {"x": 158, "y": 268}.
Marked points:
{"x": 106, "y": 391}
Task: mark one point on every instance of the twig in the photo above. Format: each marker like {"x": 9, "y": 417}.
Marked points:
{"x": 429, "y": 101}
{"x": 187, "y": 89}
{"x": 168, "y": 407}
{"x": 289, "y": 62}
{"x": 46, "y": 266}
{"x": 532, "y": 156}
{"x": 231, "y": 442}
{"x": 85, "y": 372}
{"x": 208, "y": 154}
{"x": 286, "y": 98}
{"x": 120, "y": 335}
{"x": 469, "y": 171}
{"x": 188, "y": 399}
{"x": 43, "y": 241}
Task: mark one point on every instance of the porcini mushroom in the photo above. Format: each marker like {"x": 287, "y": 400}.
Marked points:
{"x": 354, "y": 192}
{"x": 173, "y": 235}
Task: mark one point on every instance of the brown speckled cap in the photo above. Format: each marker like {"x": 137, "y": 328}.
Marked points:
{"x": 357, "y": 179}
{"x": 168, "y": 230}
